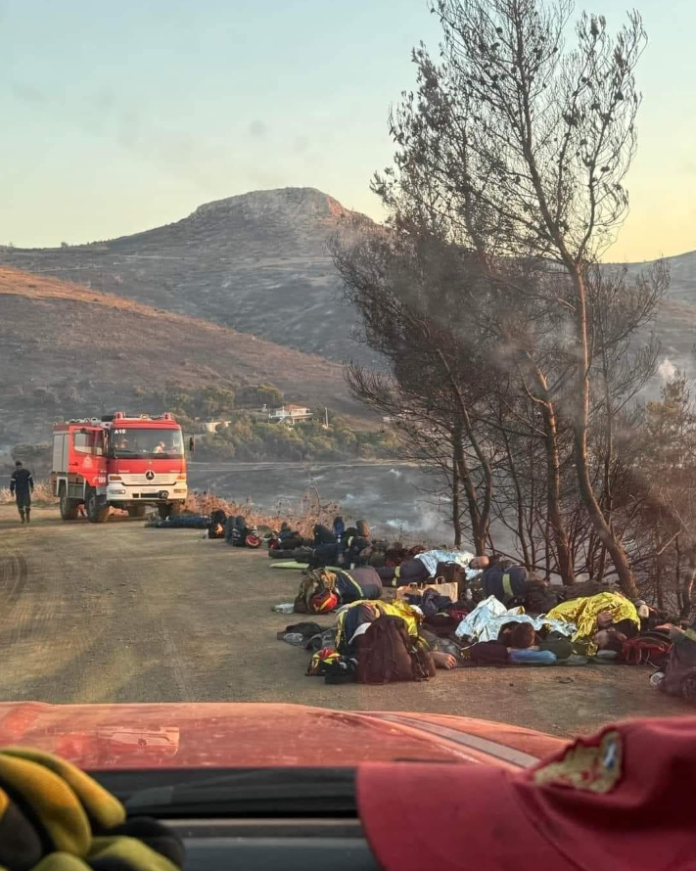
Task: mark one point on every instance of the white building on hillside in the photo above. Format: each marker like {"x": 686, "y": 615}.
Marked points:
{"x": 290, "y": 414}
{"x": 211, "y": 426}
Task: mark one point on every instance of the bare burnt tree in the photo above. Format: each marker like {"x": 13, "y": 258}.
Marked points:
{"x": 529, "y": 344}
{"x": 439, "y": 384}
{"x": 535, "y": 508}
{"x": 513, "y": 147}
{"x": 620, "y": 367}
{"x": 433, "y": 438}
{"x": 504, "y": 330}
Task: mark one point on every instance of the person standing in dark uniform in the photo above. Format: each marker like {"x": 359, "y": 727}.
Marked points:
{"x": 22, "y": 485}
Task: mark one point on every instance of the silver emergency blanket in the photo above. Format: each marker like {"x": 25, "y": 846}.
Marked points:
{"x": 462, "y": 557}
{"x": 488, "y": 617}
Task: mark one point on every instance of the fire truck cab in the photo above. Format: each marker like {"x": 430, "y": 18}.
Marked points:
{"x": 121, "y": 462}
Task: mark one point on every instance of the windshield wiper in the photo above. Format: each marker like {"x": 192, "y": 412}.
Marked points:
{"x": 257, "y": 792}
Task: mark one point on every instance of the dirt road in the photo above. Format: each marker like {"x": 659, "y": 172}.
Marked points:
{"x": 121, "y": 613}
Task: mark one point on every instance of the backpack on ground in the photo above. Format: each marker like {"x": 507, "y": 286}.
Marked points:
{"x": 650, "y": 648}
{"x": 485, "y": 653}
{"x": 388, "y": 653}
{"x": 538, "y": 598}
{"x": 431, "y": 602}
{"x": 452, "y": 573}
{"x": 680, "y": 672}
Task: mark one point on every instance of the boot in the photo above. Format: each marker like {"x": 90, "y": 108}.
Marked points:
{"x": 21, "y": 515}
{"x": 27, "y": 511}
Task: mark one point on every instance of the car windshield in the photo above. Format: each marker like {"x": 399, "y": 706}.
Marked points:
{"x": 143, "y": 442}
{"x": 348, "y": 404}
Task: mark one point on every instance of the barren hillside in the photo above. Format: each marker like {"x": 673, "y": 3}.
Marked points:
{"x": 675, "y": 321}
{"x": 675, "y": 324}
{"x": 257, "y": 263}
{"x": 66, "y": 349}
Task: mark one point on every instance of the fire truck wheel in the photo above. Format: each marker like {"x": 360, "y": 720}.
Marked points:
{"x": 97, "y": 508}
{"x": 137, "y": 510}
{"x": 68, "y": 507}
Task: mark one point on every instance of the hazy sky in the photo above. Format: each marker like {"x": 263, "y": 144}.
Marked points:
{"x": 120, "y": 116}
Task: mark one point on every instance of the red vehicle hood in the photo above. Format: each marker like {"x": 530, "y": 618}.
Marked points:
{"x": 229, "y": 735}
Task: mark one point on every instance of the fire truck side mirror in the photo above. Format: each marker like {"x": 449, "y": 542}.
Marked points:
{"x": 192, "y": 445}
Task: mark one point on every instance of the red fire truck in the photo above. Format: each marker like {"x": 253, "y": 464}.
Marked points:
{"x": 120, "y": 461}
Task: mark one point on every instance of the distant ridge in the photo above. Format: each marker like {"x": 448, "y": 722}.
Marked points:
{"x": 257, "y": 262}
{"x": 68, "y": 349}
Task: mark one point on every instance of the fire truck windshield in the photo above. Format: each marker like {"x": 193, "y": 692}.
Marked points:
{"x": 150, "y": 443}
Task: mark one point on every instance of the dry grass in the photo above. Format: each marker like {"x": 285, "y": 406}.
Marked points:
{"x": 16, "y": 282}
{"x": 42, "y": 493}
{"x": 301, "y": 516}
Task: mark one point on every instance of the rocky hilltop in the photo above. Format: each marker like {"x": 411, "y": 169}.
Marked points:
{"x": 257, "y": 263}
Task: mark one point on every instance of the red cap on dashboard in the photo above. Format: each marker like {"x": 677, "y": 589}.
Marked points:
{"x": 619, "y": 800}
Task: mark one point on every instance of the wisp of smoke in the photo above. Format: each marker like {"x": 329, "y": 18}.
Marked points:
{"x": 428, "y": 519}
{"x": 666, "y": 370}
